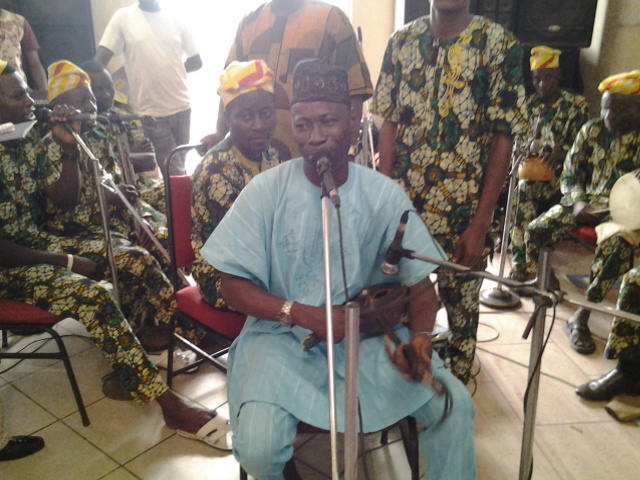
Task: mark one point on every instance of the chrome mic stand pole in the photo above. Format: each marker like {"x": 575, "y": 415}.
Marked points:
{"x": 352, "y": 343}
{"x": 498, "y": 297}
{"x": 102, "y": 202}
{"x": 533, "y": 378}
{"x": 330, "y": 346}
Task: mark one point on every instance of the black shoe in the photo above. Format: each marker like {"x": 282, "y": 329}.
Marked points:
{"x": 21, "y": 446}
{"x": 608, "y": 386}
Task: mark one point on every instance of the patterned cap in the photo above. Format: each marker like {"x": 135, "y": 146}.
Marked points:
{"x": 64, "y": 76}
{"x": 627, "y": 83}
{"x": 315, "y": 81}
{"x": 244, "y": 77}
{"x": 544, "y": 57}
{"x": 3, "y": 65}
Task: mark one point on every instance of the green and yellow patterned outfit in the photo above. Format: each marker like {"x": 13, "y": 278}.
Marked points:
{"x": 596, "y": 160}
{"x": 24, "y": 172}
{"x": 216, "y": 183}
{"x": 144, "y": 288}
{"x": 624, "y": 338}
{"x": 448, "y": 98}
{"x": 561, "y": 121}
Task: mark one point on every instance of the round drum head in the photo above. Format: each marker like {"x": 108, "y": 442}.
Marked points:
{"x": 624, "y": 201}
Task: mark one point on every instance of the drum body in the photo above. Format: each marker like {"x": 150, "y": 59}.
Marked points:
{"x": 533, "y": 168}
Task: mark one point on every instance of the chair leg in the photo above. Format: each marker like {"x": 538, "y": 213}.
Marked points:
{"x": 410, "y": 440}
{"x": 243, "y": 474}
{"x": 5, "y": 342}
{"x": 72, "y": 378}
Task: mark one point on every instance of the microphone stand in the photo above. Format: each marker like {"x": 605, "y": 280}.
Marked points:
{"x": 329, "y": 321}
{"x": 498, "y": 297}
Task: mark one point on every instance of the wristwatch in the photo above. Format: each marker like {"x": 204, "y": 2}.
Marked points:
{"x": 284, "y": 317}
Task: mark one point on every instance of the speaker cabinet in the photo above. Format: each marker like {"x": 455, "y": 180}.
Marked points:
{"x": 556, "y": 24}
{"x": 64, "y": 28}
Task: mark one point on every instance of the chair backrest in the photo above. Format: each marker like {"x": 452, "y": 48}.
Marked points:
{"x": 179, "y": 219}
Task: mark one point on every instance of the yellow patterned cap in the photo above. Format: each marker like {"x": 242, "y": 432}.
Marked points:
{"x": 244, "y": 77}
{"x": 627, "y": 83}
{"x": 544, "y": 57}
{"x": 3, "y": 65}
{"x": 64, "y": 76}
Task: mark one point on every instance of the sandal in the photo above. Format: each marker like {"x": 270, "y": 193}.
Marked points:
{"x": 113, "y": 388}
{"x": 579, "y": 337}
{"x": 215, "y": 433}
{"x": 519, "y": 273}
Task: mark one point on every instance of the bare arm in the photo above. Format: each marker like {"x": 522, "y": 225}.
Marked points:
{"x": 387, "y": 146}
{"x": 103, "y": 55}
{"x": 193, "y": 63}
{"x": 33, "y": 64}
{"x": 244, "y": 296}
{"x": 472, "y": 241}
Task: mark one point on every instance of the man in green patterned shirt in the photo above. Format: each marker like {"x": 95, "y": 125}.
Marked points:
{"x": 451, "y": 94}
{"x": 605, "y": 149}
{"x": 246, "y": 90}
{"x": 561, "y": 114}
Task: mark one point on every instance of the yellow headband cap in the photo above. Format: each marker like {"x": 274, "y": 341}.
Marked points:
{"x": 544, "y": 57}
{"x": 627, "y": 83}
{"x": 244, "y": 77}
{"x": 65, "y": 76}
{"x": 3, "y": 65}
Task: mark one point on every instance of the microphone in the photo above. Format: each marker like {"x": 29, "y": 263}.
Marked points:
{"x": 394, "y": 254}
{"x": 44, "y": 114}
{"x": 323, "y": 166}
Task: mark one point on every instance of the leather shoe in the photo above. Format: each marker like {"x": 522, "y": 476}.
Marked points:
{"x": 608, "y": 386}
{"x": 21, "y": 446}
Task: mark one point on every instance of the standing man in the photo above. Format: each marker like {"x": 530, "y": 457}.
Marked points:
{"x": 561, "y": 114}
{"x": 269, "y": 246}
{"x": 246, "y": 91}
{"x": 19, "y": 47}
{"x": 158, "y": 53}
{"x": 284, "y": 32}
{"x": 451, "y": 95}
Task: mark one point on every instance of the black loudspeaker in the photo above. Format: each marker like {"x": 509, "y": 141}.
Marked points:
{"x": 64, "y": 28}
{"x": 557, "y": 24}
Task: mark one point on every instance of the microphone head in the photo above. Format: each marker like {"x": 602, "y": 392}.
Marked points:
{"x": 322, "y": 161}
{"x": 389, "y": 269}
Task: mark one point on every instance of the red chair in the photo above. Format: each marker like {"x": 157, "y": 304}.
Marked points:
{"x": 222, "y": 324}
{"x": 27, "y": 319}
{"x": 585, "y": 234}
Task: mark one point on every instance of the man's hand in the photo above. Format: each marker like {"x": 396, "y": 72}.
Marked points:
{"x": 209, "y": 141}
{"x": 86, "y": 267}
{"x": 129, "y": 191}
{"x": 412, "y": 359}
{"x": 315, "y": 320}
{"x": 470, "y": 247}
{"x": 59, "y": 124}
{"x": 583, "y": 213}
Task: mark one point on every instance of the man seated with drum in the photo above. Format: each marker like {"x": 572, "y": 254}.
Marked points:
{"x": 560, "y": 114}
{"x": 605, "y": 149}
{"x": 269, "y": 247}
{"x": 246, "y": 91}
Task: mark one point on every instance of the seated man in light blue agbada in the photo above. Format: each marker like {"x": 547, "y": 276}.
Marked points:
{"x": 269, "y": 247}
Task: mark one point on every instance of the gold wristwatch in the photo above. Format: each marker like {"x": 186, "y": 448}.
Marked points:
{"x": 284, "y": 317}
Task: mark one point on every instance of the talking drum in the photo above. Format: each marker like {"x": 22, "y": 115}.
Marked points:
{"x": 382, "y": 307}
{"x": 534, "y": 168}
{"x": 624, "y": 200}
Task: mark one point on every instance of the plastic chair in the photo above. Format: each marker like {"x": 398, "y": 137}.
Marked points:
{"x": 223, "y": 324}
{"x": 586, "y": 235}
{"x": 27, "y": 319}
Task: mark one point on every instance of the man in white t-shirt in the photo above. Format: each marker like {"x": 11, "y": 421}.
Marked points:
{"x": 158, "y": 53}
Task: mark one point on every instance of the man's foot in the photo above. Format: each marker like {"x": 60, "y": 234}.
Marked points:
{"x": 21, "y": 446}
{"x": 608, "y": 386}
{"x": 519, "y": 273}
{"x": 113, "y": 388}
{"x": 182, "y": 413}
{"x": 577, "y": 330}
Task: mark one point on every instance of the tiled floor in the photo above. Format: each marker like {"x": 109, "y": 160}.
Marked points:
{"x": 573, "y": 439}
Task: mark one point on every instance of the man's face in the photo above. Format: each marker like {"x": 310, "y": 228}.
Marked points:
{"x": 546, "y": 81}
{"x": 322, "y": 127}
{"x": 102, "y": 87}
{"x": 81, "y": 98}
{"x": 621, "y": 113}
{"x": 252, "y": 122}
{"x": 16, "y": 105}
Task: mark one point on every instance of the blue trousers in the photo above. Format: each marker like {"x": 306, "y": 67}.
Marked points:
{"x": 167, "y": 133}
{"x": 264, "y": 433}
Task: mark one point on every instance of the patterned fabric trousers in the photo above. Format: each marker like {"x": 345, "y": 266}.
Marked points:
{"x": 612, "y": 258}
{"x": 64, "y": 293}
{"x": 532, "y": 198}
{"x": 624, "y": 338}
